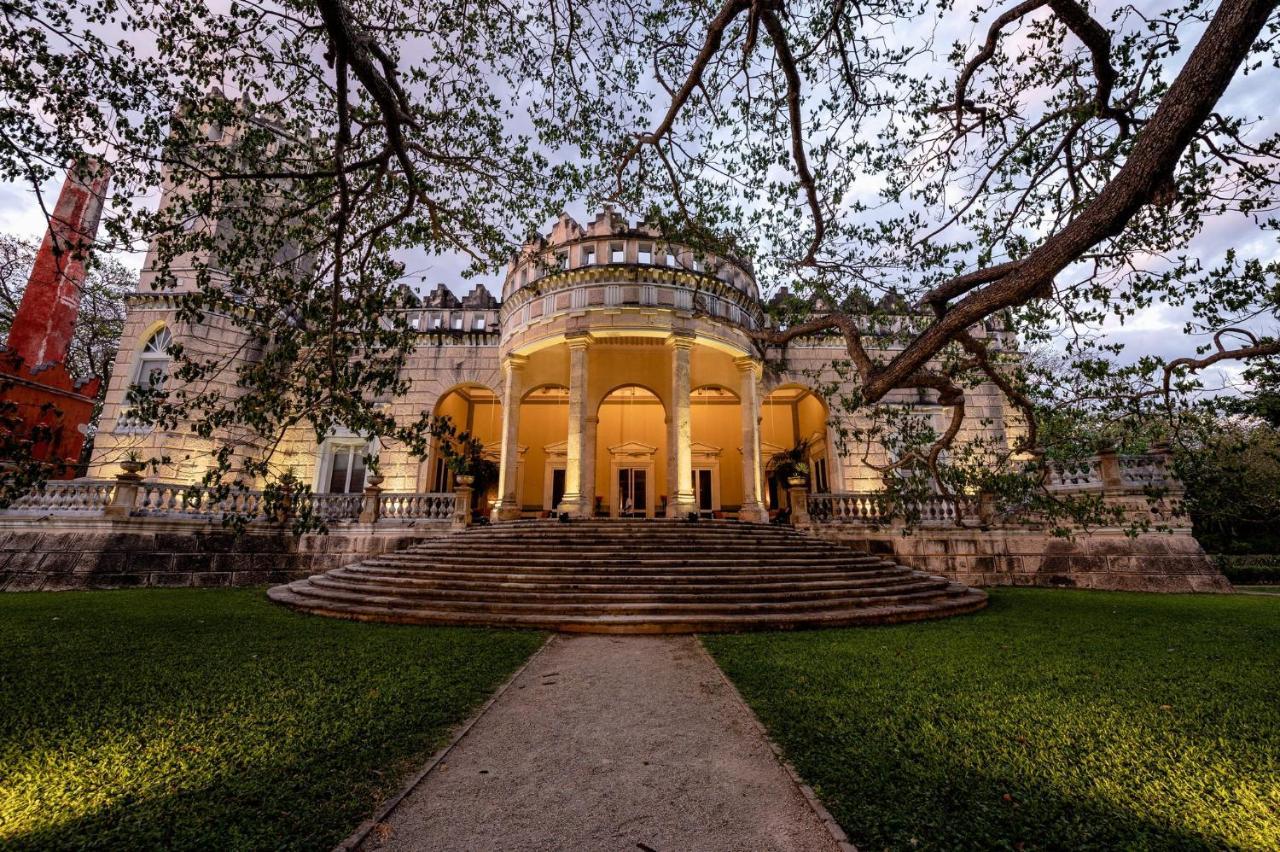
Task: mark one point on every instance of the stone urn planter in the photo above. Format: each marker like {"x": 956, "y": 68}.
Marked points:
{"x": 133, "y": 467}
{"x": 798, "y": 481}
{"x": 465, "y": 479}
{"x": 375, "y": 479}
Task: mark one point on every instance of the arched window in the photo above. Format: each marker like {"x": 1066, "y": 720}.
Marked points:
{"x": 150, "y": 373}
{"x": 153, "y": 361}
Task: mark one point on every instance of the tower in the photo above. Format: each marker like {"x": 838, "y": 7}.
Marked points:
{"x": 43, "y": 408}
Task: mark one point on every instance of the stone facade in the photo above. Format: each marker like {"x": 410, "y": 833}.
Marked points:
{"x": 61, "y": 553}
{"x": 1108, "y": 558}
{"x": 616, "y": 377}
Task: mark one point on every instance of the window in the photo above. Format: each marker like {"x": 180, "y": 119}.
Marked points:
{"x": 153, "y": 361}
{"x": 151, "y": 373}
{"x": 644, "y": 253}
{"x": 671, "y": 257}
{"x": 562, "y": 259}
{"x": 617, "y": 253}
{"x": 588, "y": 255}
{"x": 440, "y": 480}
{"x": 457, "y": 322}
{"x": 435, "y": 321}
{"x": 479, "y": 324}
{"x": 821, "y": 485}
{"x": 345, "y": 465}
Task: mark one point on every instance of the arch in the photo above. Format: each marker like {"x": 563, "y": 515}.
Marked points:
{"x": 715, "y": 431}
{"x": 546, "y": 390}
{"x": 657, "y": 397}
{"x": 631, "y": 436}
{"x": 152, "y": 363}
{"x": 719, "y": 389}
{"x": 791, "y": 414}
{"x": 541, "y": 466}
{"x": 473, "y": 407}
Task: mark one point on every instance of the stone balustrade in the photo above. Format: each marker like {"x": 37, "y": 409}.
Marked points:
{"x": 875, "y": 507}
{"x": 132, "y": 498}
{"x": 1129, "y": 482}
{"x": 74, "y": 496}
{"x": 416, "y": 506}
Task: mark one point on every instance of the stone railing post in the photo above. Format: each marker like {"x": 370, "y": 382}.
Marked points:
{"x": 798, "y": 491}
{"x": 461, "y": 506}
{"x": 1109, "y": 469}
{"x": 1164, "y": 452}
{"x": 371, "y": 507}
{"x": 125, "y": 496}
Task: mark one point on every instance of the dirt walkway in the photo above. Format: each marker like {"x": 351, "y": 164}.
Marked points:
{"x": 615, "y": 743}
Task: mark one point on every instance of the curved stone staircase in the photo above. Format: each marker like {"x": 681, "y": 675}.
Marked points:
{"x": 609, "y": 576}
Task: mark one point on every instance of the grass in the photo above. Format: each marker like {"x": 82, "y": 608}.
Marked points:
{"x": 212, "y": 719}
{"x": 1052, "y": 720}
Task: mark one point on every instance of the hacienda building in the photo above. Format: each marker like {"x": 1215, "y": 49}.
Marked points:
{"x": 635, "y": 426}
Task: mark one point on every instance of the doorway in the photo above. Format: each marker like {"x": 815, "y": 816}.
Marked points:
{"x": 633, "y": 492}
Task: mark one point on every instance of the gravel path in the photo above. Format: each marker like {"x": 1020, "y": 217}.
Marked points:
{"x": 619, "y": 743}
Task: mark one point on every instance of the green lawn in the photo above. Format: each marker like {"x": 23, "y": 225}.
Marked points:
{"x": 1052, "y": 720}
{"x": 213, "y": 719}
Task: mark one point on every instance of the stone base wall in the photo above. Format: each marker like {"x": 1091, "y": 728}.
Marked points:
{"x": 1098, "y": 559}
{"x": 72, "y": 553}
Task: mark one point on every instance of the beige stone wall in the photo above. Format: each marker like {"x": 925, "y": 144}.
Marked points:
{"x": 810, "y": 364}
{"x": 1170, "y": 561}
{"x": 64, "y": 553}
{"x": 188, "y": 456}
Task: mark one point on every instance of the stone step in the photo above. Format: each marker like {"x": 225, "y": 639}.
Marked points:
{"x": 729, "y": 573}
{"x": 629, "y": 576}
{"x": 576, "y": 594}
{"x": 969, "y": 601}
{"x": 763, "y": 582}
{"x": 490, "y": 605}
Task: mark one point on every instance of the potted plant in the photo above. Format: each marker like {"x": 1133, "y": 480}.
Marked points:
{"x": 792, "y": 466}
{"x": 374, "y": 476}
{"x": 133, "y": 464}
{"x": 469, "y": 466}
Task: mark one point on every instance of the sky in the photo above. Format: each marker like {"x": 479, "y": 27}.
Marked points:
{"x": 1157, "y": 330}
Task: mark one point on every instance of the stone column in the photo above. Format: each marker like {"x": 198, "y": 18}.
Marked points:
{"x": 680, "y": 431}
{"x": 508, "y": 506}
{"x": 575, "y": 443}
{"x": 752, "y": 507}
{"x": 589, "y": 466}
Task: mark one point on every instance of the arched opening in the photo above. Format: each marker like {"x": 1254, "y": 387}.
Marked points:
{"x": 794, "y": 428}
{"x": 715, "y": 430}
{"x": 631, "y": 452}
{"x": 541, "y": 453}
{"x": 478, "y": 410}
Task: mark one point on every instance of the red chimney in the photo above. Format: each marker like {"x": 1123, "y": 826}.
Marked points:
{"x": 42, "y": 329}
{"x": 42, "y": 406}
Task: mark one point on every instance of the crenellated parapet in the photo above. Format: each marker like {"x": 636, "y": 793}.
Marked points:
{"x": 611, "y": 263}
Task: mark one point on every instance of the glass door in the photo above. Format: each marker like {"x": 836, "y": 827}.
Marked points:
{"x": 702, "y": 490}
{"x": 633, "y": 495}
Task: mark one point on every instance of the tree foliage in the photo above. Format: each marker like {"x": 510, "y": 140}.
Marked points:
{"x": 1044, "y": 166}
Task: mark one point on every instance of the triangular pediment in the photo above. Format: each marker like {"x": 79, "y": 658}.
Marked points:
{"x": 559, "y": 448}
{"x": 768, "y": 450}
{"x": 633, "y": 448}
{"x": 698, "y": 448}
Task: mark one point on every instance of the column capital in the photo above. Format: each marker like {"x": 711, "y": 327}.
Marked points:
{"x": 746, "y": 363}
{"x": 681, "y": 340}
{"x": 515, "y": 362}
{"x": 579, "y": 340}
